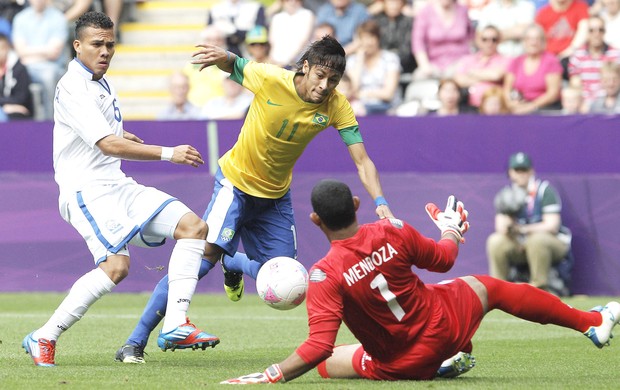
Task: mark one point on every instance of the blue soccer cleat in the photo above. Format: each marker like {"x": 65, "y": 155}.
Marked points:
{"x": 186, "y": 336}
{"x": 457, "y": 365}
{"x": 600, "y": 335}
{"x": 41, "y": 351}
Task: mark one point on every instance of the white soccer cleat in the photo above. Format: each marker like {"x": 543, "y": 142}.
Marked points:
{"x": 457, "y": 365}
{"x": 600, "y": 335}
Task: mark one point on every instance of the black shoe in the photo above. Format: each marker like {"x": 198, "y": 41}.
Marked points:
{"x": 130, "y": 354}
{"x": 233, "y": 284}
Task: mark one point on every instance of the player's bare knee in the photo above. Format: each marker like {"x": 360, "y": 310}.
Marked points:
{"x": 340, "y": 364}
{"x": 191, "y": 226}
{"x": 116, "y": 267}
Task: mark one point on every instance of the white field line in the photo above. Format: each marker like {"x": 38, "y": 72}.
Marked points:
{"x": 14, "y": 315}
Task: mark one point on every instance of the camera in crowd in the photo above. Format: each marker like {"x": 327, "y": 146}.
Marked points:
{"x": 510, "y": 200}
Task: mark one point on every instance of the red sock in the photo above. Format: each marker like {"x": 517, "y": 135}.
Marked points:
{"x": 536, "y": 305}
{"x": 322, "y": 369}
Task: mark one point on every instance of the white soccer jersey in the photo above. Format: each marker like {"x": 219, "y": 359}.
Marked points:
{"x": 85, "y": 111}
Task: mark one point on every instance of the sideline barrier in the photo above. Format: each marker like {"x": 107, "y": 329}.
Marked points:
{"x": 420, "y": 160}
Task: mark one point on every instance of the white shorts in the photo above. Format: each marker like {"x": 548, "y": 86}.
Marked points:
{"x": 110, "y": 216}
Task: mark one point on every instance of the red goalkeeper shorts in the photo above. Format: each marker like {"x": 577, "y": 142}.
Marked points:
{"x": 455, "y": 320}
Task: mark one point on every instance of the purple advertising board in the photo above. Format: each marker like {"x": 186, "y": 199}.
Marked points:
{"x": 420, "y": 160}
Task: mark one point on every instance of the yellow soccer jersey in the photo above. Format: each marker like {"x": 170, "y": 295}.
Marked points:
{"x": 278, "y": 126}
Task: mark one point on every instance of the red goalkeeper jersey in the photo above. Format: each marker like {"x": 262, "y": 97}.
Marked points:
{"x": 367, "y": 282}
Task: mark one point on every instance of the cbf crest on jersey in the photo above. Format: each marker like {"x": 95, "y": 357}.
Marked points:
{"x": 227, "y": 234}
{"x": 320, "y": 119}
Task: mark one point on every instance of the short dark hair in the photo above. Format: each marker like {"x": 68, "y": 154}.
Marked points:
{"x": 93, "y": 19}
{"x": 327, "y": 52}
{"x": 333, "y": 202}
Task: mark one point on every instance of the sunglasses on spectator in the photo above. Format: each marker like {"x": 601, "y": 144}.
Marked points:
{"x": 597, "y": 29}
{"x": 492, "y": 39}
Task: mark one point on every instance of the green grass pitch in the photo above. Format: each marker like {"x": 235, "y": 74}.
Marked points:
{"x": 510, "y": 353}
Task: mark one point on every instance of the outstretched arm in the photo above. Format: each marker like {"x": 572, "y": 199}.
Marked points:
{"x": 209, "y": 55}
{"x": 452, "y": 222}
{"x": 318, "y": 347}
{"x": 323, "y": 327}
{"x": 370, "y": 178}
{"x": 293, "y": 366}
{"x": 130, "y": 147}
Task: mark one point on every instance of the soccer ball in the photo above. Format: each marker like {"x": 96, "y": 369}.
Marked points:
{"x": 282, "y": 283}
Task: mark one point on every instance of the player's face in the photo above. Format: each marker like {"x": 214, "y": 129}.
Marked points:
{"x": 95, "y": 50}
{"x": 318, "y": 82}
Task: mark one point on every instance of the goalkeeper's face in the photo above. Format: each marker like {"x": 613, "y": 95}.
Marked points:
{"x": 520, "y": 177}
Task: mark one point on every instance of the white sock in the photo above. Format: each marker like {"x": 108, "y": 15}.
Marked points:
{"x": 182, "y": 278}
{"x": 85, "y": 291}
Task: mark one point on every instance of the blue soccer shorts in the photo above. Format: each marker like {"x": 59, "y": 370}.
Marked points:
{"x": 266, "y": 227}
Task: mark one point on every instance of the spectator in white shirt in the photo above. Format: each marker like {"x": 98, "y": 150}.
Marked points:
{"x": 289, "y": 32}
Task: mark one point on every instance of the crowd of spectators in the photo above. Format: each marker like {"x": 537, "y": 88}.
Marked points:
{"x": 447, "y": 57}
{"x": 544, "y": 56}
{"x": 36, "y": 37}
{"x": 16, "y": 98}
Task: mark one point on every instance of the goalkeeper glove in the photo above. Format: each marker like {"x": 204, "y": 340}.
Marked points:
{"x": 272, "y": 374}
{"x": 452, "y": 220}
